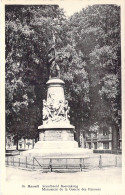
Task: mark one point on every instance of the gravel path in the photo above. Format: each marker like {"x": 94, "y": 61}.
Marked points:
{"x": 89, "y": 182}
{"x": 104, "y": 176}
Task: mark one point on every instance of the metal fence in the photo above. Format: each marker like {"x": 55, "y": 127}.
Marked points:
{"x": 107, "y": 151}
{"x": 51, "y": 164}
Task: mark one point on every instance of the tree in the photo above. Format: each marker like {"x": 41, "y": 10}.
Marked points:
{"x": 96, "y": 31}
{"x": 28, "y": 39}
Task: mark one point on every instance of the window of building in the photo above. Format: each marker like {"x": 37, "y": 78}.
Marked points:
{"x": 95, "y": 145}
{"x": 105, "y": 132}
{"x": 89, "y": 145}
{"x": 106, "y": 145}
{"x": 20, "y": 145}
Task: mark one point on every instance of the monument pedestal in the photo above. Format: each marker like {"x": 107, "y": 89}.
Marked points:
{"x": 56, "y": 135}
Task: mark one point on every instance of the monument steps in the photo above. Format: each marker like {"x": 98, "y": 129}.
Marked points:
{"x": 58, "y": 153}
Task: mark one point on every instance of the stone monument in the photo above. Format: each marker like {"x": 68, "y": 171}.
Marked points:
{"x": 56, "y": 134}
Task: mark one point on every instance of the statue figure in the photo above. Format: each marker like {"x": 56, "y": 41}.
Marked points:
{"x": 45, "y": 110}
{"x": 51, "y": 110}
{"x": 66, "y": 109}
{"x": 54, "y": 70}
{"x": 53, "y": 67}
{"x": 60, "y": 110}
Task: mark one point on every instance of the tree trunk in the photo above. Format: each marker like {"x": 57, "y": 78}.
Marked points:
{"x": 17, "y": 144}
{"x": 115, "y": 137}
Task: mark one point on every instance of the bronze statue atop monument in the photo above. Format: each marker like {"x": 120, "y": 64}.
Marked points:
{"x": 53, "y": 67}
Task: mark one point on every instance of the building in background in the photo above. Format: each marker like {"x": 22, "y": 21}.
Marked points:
{"x": 26, "y": 144}
{"x": 101, "y": 140}
{"x": 23, "y": 144}
{"x": 10, "y": 144}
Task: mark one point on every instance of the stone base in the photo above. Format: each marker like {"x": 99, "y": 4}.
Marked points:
{"x": 58, "y": 153}
{"x": 56, "y": 135}
{"x": 54, "y": 126}
{"x": 55, "y": 144}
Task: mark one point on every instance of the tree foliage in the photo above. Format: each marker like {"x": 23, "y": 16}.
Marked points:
{"x": 88, "y": 52}
{"x": 28, "y": 39}
{"x": 96, "y": 31}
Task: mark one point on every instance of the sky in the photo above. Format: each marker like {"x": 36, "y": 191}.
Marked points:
{"x": 70, "y": 7}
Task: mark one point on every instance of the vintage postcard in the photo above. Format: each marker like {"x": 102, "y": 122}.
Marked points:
{"x": 62, "y": 97}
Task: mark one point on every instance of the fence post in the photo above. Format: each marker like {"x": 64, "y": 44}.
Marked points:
{"x": 116, "y": 161}
{"x": 7, "y": 161}
{"x": 50, "y": 165}
{"x": 66, "y": 163}
{"x": 26, "y": 161}
{"x": 33, "y": 163}
{"x": 81, "y": 164}
{"x": 13, "y": 160}
{"x": 100, "y": 161}
{"x": 19, "y": 162}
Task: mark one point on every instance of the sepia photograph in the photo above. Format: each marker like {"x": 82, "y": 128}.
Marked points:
{"x": 63, "y": 98}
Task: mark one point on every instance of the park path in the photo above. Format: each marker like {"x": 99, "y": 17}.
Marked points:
{"x": 104, "y": 176}
{"x": 17, "y": 181}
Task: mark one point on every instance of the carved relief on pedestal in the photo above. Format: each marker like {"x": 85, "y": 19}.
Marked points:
{"x": 55, "y": 111}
